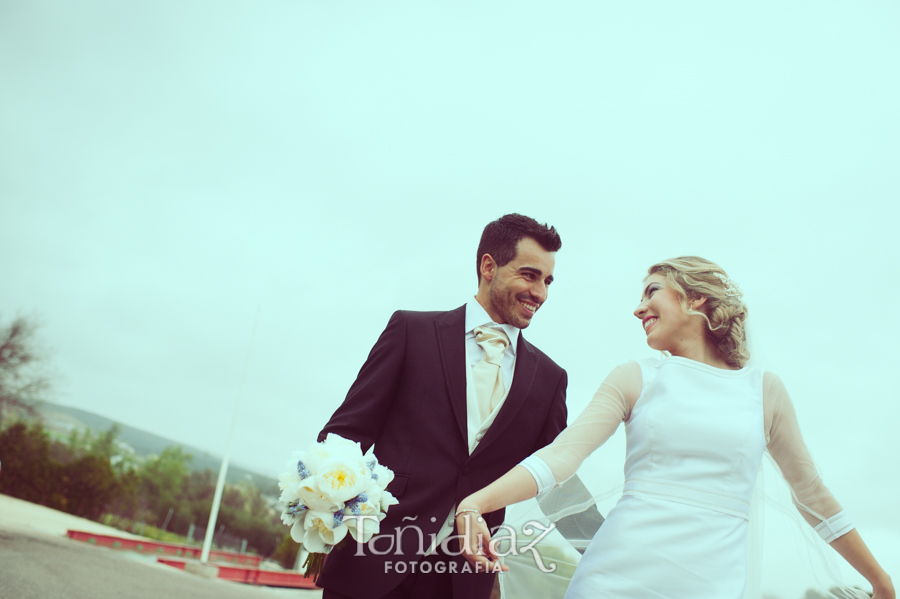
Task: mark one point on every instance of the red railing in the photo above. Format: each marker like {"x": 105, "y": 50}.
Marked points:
{"x": 256, "y": 576}
{"x": 160, "y": 548}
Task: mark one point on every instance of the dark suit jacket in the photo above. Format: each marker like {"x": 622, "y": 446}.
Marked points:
{"x": 409, "y": 400}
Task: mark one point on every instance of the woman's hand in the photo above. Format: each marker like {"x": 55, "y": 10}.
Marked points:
{"x": 475, "y": 542}
{"x": 474, "y": 536}
{"x": 853, "y": 549}
{"x": 884, "y": 589}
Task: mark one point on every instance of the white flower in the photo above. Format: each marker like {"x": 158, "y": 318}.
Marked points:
{"x": 289, "y": 483}
{"x": 300, "y": 483}
{"x": 333, "y": 440}
{"x": 294, "y": 512}
{"x": 363, "y": 529}
{"x": 331, "y": 490}
{"x": 342, "y": 474}
{"x": 298, "y": 472}
{"x": 363, "y": 514}
{"x": 320, "y": 531}
{"x": 381, "y": 474}
{"x": 310, "y": 495}
{"x": 387, "y": 500}
{"x": 312, "y": 457}
{"x": 381, "y": 498}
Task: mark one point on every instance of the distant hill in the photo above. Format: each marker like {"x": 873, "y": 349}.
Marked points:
{"x": 64, "y": 419}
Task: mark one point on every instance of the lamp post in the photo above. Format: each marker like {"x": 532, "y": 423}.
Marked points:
{"x": 223, "y": 469}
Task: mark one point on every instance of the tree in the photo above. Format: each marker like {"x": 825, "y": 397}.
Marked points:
{"x": 286, "y": 553}
{"x": 126, "y": 500}
{"x": 105, "y": 444}
{"x": 23, "y": 381}
{"x": 162, "y": 480}
{"x": 27, "y": 470}
{"x": 90, "y": 486}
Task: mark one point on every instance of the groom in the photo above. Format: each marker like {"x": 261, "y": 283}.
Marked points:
{"x": 451, "y": 401}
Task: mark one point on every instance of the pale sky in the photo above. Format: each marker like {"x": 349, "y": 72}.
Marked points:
{"x": 168, "y": 169}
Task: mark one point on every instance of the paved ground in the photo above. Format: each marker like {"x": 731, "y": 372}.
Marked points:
{"x": 38, "y": 562}
{"x": 25, "y": 516}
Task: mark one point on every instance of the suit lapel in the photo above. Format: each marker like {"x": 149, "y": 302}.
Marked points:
{"x": 526, "y": 366}
{"x": 452, "y": 343}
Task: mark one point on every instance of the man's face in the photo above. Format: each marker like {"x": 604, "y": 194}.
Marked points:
{"x": 519, "y": 288}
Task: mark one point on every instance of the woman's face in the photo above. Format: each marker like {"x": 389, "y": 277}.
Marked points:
{"x": 664, "y": 321}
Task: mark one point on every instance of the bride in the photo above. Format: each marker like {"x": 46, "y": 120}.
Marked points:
{"x": 697, "y": 423}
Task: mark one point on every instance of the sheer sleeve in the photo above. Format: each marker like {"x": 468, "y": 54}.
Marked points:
{"x": 785, "y": 444}
{"x": 612, "y": 404}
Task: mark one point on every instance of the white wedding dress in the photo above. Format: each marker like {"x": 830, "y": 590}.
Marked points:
{"x": 695, "y": 436}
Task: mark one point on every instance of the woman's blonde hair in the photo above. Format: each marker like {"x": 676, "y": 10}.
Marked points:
{"x": 693, "y": 278}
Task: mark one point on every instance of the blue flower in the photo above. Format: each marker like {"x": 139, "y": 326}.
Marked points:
{"x": 303, "y": 470}
{"x": 354, "y": 504}
{"x": 338, "y": 518}
{"x": 371, "y": 464}
{"x": 295, "y": 508}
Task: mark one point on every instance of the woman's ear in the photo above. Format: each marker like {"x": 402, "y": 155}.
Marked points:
{"x": 696, "y": 303}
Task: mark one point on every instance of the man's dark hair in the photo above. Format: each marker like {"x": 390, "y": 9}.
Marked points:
{"x": 501, "y": 237}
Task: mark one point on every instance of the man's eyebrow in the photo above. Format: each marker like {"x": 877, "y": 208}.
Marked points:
{"x": 536, "y": 271}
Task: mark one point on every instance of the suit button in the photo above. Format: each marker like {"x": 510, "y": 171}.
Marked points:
{"x": 479, "y": 436}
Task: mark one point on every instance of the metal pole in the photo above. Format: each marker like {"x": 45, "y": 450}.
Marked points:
{"x": 223, "y": 470}
{"x": 168, "y": 518}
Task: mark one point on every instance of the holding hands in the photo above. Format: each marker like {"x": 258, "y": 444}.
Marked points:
{"x": 475, "y": 542}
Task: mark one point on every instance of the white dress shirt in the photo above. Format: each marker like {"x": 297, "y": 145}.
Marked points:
{"x": 477, "y": 316}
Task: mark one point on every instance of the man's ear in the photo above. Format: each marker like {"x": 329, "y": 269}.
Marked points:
{"x": 488, "y": 268}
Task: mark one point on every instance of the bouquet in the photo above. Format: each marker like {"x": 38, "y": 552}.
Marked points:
{"x": 331, "y": 490}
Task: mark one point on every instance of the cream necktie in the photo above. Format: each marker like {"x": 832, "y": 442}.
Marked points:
{"x": 487, "y": 376}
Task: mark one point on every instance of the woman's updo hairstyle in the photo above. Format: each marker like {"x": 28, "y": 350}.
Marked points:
{"x": 694, "y": 278}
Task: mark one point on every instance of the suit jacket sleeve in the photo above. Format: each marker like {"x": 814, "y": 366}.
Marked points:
{"x": 369, "y": 400}
{"x": 556, "y": 418}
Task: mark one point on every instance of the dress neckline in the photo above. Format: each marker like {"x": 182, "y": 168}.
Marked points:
{"x": 725, "y": 372}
